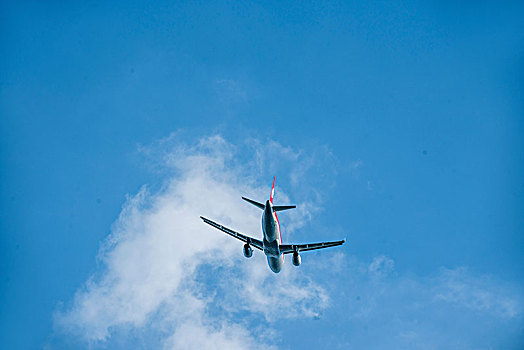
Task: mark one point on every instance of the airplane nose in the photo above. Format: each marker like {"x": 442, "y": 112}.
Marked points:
{"x": 268, "y": 203}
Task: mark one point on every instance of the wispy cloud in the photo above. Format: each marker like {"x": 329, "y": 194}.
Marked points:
{"x": 163, "y": 272}
{"x": 167, "y": 280}
{"x": 484, "y": 294}
{"x": 380, "y": 307}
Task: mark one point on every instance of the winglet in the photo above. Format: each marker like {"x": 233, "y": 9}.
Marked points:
{"x": 272, "y": 190}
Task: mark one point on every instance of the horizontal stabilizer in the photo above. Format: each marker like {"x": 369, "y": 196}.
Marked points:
{"x": 256, "y": 204}
{"x": 283, "y": 207}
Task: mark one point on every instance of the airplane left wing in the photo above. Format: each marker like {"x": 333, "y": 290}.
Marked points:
{"x": 253, "y": 241}
{"x": 290, "y": 248}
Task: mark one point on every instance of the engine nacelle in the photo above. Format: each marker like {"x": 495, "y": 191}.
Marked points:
{"x": 248, "y": 251}
{"x": 297, "y": 260}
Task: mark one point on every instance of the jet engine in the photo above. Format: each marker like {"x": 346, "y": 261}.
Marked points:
{"x": 296, "y": 259}
{"x": 248, "y": 251}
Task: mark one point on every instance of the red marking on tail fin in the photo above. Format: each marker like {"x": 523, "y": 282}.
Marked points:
{"x": 272, "y": 191}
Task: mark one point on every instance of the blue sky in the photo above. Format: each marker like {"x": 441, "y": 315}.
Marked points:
{"x": 395, "y": 124}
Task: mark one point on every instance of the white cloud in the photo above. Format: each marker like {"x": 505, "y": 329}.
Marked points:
{"x": 478, "y": 293}
{"x": 163, "y": 271}
{"x": 381, "y": 266}
{"x": 167, "y": 279}
{"x": 379, "y": 307}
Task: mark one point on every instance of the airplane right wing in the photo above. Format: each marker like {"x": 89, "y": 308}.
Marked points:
{"x": 253, "y": 241}
{"x": 290, "y": 248}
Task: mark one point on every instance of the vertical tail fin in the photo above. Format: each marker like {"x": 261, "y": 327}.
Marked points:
{"x": 272, "y": 190}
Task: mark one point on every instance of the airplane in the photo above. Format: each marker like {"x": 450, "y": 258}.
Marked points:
{"x": 271, "y": 243}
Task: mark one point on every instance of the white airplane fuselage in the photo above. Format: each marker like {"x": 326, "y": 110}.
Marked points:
{"x": 272, "y": 238}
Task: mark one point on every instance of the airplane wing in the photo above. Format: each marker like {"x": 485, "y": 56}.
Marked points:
{"x": 290, "y": 248}
{"x": 253, "y": 241}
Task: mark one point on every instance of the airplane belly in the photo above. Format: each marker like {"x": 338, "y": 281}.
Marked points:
{"x": 269, "y": 228}
{"x": 271, "y": 240}
{"x": 275, "y": 264}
